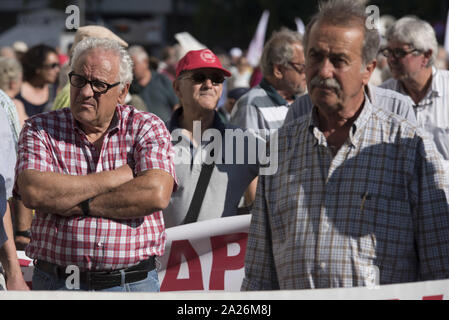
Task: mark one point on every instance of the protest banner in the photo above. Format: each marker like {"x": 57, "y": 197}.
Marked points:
{"x": 206, "y": 255}
{"x": 206, "y": 261}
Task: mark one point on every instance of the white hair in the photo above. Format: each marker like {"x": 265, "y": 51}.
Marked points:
{"x": 138, "y": 52}
{"x": 125, "y": 66}
{"x": 417, "y": 33}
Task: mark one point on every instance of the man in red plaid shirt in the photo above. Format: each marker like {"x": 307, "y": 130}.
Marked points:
{"x": 98, "y": 175}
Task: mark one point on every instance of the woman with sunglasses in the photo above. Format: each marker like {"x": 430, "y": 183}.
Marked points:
{"x": 40, "y": 72}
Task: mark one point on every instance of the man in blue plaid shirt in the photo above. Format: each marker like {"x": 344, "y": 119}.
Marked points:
{"x": 360, "y": 196}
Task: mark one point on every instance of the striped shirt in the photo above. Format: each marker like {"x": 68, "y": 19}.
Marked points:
{"x": 260, "y": 108}
{"x": 13, "y": 118}
{"x": 383, "y": 98}
{"x": 432, "y": 112}
{"x": 378, "y": 204}
{"x": 7, "y": 145}
{"x": 54, "y": 142}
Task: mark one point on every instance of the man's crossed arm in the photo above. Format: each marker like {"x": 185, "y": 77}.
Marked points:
{"x": 115, "y": 194}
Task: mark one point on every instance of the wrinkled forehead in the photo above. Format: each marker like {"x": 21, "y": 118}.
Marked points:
{"x": 395, "y": 44}
{"x": 97, "y": 59}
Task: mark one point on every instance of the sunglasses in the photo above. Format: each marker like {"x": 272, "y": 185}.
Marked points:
{"x": 397, "y": 53}
{"x": 201, "y": 77}
{"x": 51, "y": 66}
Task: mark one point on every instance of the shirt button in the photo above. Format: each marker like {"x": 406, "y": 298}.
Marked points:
{"x": 326, "y": 227}
{"x": 322, "y": 265}
{"x": 100, "y": 244}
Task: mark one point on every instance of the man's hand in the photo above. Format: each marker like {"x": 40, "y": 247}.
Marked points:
{"x": 8, "y": 257}
{"x": 16, "y": 282}
{"x": 58, "y": 193}
{"x": 145, "y": 194}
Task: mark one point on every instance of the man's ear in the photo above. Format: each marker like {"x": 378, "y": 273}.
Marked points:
{"x": 427, "y": 56}
{"x": 277, "y": 71}
{"x": 176, "y": 88}
{"x": 123, "y": 93}
{"x": 368, "y": 71}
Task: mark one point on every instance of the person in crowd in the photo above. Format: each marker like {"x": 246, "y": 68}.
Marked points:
{"x": 62, "y": 99}
{"x": 360, "y": 196}
{"x": 7, "y": 52}
{"x": 235, "y": 54}
{"x": 40, "y": 74}
{"x": 211, "y": 188}
{"x": 20, "y": 48}
{"x": 411, "y": 54}
{"x": 98, "y": 175}
{"x": 265, "y": 106}
{"x": 8, "y": 254}
{"x": 240, "y": 74}
{"x": 232, "y": 96}
{"x": 155, "y": 89}
{"x": 167, "y": 65}
{"x": 442, "y": 60}
{"x": 11, "y": 75}
{"x": 10, "y": 83}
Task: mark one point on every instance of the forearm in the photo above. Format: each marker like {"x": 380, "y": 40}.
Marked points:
{"x": 138, "y": 198}
{"x": 56, "y": 193}
{"x": 8, "y": 258}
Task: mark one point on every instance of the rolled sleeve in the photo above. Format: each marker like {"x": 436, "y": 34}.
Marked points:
{"x": 7, "y": 150}
{"x": 154, "y": 149}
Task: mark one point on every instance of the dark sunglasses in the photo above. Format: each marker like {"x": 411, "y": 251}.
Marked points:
{"x": 51, "y": 66}
{"x": 97, "y": 86}
{"x": 397, "y": 53}
{"x": 200, "y": 77}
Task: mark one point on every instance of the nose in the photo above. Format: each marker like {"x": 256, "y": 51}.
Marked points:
{"x": 326, "y": 69}
{"x": 87, "y": 90}
{"x": 208, "y": 83}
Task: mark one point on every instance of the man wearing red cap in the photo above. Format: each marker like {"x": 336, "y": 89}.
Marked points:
{"x": 212, "y": 190}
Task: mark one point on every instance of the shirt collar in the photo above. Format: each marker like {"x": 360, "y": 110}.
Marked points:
{"x": 272, "y": 93}
{"x": 356, "y": 129}
{"x": 173, "y": 123}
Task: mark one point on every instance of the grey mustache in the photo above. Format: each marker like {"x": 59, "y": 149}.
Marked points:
{"x": 325, "y": 83}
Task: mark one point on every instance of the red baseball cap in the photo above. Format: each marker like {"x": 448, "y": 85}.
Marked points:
{"x": 197, "y": 59}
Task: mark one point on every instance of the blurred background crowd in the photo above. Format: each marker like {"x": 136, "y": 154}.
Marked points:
{"x": 36, "y": 36}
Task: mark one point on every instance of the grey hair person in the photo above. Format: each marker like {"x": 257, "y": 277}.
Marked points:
{"x": 415, "y": 32}
{"x": 10, "y": 70}
{"x": 139, "y": 52}
{"x": 125, "y": 65}
{"x": 279, "y": 50}
{"x": 347, "y": 13}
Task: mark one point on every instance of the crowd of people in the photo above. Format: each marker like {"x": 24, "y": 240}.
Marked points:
{"x": 91, "y": 177}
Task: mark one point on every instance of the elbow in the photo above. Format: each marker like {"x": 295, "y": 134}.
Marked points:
{"x": 29, "y": 197}
{"x": 162, "y": 201}
{"x": 29, "y": 194}
{"x": 162, "y": 198}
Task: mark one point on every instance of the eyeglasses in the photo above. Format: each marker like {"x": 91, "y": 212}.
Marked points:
{"x": 294, "y": 65}
{"x": 51, "y": 66}
{"x": 397, "y": 53}
{"x": 97, "y": 86}
{"x": 200, "y": 77}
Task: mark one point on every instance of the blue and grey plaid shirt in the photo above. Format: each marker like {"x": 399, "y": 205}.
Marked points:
{"x": 326, "y": 221}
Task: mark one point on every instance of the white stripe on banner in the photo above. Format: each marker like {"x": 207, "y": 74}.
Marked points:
{"x": 205, "y": 260}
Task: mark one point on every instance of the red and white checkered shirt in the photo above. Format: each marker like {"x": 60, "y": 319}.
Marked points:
{"x": 54, "y": 142}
